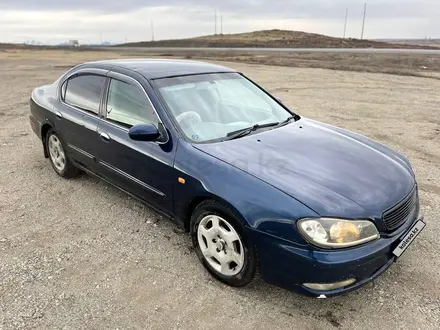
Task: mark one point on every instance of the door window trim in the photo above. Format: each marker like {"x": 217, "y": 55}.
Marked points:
{"x": 106, "y": 95}
{"x": 84, "y": 72}
{"x": 129, "y": 80}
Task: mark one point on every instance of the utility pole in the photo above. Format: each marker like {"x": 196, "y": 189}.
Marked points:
{"x": 152, "y": 31}
{"x": 363, "y": 22}
{"x": 215, "y": 21}
{"x": 345, "y": 24}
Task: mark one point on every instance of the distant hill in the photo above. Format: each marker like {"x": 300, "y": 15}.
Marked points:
{"x": 16, "y": 46}
{"x": 6, "y": 46}
{"x": 270, "y": 39}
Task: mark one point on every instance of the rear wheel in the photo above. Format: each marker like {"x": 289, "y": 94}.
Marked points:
{"x": 221, "y": 244}
{"x": 58, "y": 157}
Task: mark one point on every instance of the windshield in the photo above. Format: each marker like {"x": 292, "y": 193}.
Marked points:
{"x": 210, "y": 106}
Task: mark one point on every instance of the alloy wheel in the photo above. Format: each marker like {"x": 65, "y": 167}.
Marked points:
{"x": 220, "y": 245}
{"x": 56, "y": 152}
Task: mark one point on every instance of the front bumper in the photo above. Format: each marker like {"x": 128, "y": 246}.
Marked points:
{"x": 288, "y": 266}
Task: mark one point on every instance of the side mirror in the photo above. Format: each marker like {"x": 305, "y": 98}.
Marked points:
{"x": 144, "y": 132}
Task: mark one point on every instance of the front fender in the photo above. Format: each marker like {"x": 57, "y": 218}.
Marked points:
{"x": 260, "y": 205}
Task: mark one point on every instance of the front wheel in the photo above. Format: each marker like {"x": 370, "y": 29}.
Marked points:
{"x": 221, "y": 244}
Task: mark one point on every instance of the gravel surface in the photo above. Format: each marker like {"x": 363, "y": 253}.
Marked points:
{"x": 79, "y": 254}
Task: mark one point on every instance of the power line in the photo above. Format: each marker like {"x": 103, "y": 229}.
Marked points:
{"x": 363, "y": 22}
{"x": 345, "y": 24}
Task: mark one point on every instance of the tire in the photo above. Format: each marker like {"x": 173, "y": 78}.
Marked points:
{"x": 58, "y": 157}
{"x": 234, "y": 262}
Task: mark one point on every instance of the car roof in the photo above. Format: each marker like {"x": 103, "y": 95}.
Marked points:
{"x": 161, "y": 68}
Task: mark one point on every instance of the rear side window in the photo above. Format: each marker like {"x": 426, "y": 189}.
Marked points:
{"x": 84, "y": 92}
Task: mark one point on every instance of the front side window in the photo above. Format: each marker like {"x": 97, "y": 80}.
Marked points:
{"x": 127, "y": 105}
{"x": 84, "y": 92}
{"x": 211, "y": 106}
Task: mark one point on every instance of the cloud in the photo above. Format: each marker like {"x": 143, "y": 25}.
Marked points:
{"x": 286, "y": 9}
{"x": 54, "y": 21}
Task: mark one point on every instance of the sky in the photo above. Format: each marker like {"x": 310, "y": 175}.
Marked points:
{"x": 90, "y": 21}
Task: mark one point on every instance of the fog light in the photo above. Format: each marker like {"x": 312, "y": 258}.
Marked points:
{"x": 329, "y": 286}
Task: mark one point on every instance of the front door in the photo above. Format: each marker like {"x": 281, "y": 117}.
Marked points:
{"x": 142, "y": 168}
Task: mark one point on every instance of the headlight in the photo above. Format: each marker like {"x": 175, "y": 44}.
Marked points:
{"x": 337, "y": 233}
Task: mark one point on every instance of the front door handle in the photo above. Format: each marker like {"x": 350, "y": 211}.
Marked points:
{"x": 59, "y": 115}
{"x": 104, "y": 136}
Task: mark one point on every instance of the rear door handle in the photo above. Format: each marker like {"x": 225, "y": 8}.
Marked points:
{"x": 104, "y": 136}
{"x": 59, "y": 115}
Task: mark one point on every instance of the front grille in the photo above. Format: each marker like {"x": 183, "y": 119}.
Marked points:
{"x": 398, "y": 214}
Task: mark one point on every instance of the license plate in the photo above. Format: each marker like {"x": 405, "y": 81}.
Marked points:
{"x": 409, "y": 238}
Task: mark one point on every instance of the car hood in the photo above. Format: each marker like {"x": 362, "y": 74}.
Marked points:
{"x": 333, "y": 171}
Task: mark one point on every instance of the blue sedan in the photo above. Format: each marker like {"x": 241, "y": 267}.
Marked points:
{"x": 262, "y": 190}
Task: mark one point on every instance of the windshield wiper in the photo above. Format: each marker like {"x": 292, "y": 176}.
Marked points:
{"x": 248, "y": 130}
{"x": 285, "y": 122}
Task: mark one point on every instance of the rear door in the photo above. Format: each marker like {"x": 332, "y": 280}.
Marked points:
{"x": 141, "y": 168}
{"x": 78, "y": 115}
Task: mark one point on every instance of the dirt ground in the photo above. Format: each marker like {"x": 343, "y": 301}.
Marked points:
{"x": 79, "y": 254}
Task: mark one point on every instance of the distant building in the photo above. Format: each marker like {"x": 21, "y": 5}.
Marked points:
{"x": 73, "y": 43}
